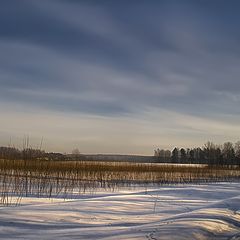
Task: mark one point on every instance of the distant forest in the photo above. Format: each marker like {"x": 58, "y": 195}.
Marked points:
{"x": 13, "y": 153}
{"x": 210, "y": 153}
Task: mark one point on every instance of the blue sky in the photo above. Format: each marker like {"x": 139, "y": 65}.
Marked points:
{"x": 119, "y": 76}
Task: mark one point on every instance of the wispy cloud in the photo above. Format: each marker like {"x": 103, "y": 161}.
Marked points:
{"x": 92, "y": 133}
{"x": 123, "y": 60}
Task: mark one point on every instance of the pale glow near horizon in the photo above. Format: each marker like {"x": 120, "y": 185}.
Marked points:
{"x": 123, "y": 135}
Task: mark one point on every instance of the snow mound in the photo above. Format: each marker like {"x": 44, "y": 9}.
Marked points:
{"x": 206, "y": 211}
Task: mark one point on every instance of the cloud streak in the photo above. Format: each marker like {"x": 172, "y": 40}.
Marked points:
{"x": 123, "y": 60}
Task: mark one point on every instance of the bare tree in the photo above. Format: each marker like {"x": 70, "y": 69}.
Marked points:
{"x": 228, "y": 152}
{"x": 237, "y": 150}
{"x": 76, "y": 152}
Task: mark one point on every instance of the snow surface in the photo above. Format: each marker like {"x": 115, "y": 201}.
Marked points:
{"x": 206, "y": 211}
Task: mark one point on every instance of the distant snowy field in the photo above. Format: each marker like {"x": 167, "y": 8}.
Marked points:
{"x": 206, "y": 211}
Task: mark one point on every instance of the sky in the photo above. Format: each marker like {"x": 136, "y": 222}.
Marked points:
{"x": 119, "y": 76}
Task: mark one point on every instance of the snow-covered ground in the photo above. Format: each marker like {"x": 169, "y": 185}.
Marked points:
{"x": 210, "y": 211}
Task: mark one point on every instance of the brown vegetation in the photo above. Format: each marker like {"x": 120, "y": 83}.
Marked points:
{"x": 44, "y": 178}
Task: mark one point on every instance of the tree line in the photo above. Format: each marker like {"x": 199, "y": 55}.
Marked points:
{"x": 12, "y": 153}
{"x": 209, "y": 153}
